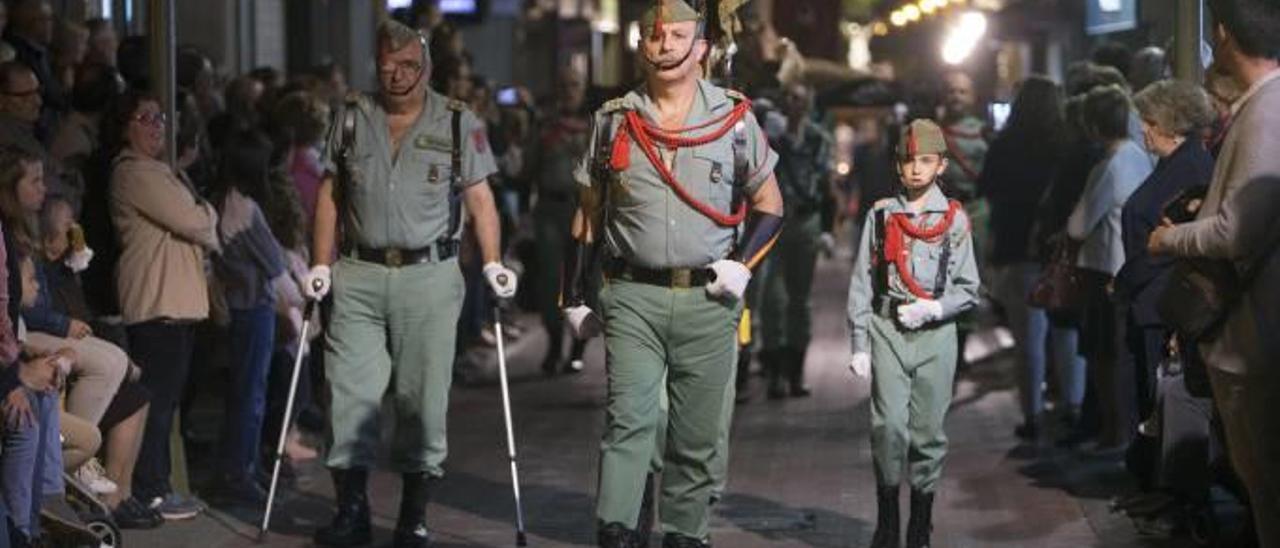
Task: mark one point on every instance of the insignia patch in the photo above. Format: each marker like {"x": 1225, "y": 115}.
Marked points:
{"x": 480, "y": 140}
{"x": 717, "y": 172}
{"x": 431, "y": 142}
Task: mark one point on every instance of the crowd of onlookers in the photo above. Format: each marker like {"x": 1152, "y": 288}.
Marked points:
{"x": 1104, "y": 192}
{"x": 127, "y": 276}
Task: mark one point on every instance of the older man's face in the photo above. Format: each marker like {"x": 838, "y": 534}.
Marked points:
{"x": 960, "y": 95}
{"x": 21, "y": 98}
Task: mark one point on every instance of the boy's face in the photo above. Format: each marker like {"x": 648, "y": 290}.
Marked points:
{"x": 920, "y": 171}
{"x": 30, "y": 287}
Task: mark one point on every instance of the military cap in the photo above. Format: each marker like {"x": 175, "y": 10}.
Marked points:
{"x": 668, "y": 11}
{"x": 921, "y": 136}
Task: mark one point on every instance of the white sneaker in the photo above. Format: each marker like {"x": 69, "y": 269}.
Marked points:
{"x": 95, "y": 478}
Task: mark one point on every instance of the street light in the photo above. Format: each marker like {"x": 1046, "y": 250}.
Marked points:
{"x": 963, "y": 38}
{"x": 898, "y": 18}
{"x": 928, "y": 6}
{"x": 912, "y": 12}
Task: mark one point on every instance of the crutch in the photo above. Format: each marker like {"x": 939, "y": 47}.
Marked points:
{"x": 286, "y": 422}
{"x": 506, "y": 416}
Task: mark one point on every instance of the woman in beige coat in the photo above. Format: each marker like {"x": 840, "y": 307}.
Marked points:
{"x": 164, "y": 228}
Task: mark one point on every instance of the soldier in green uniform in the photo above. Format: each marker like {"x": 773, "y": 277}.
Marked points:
{"x": 804, "y": 170}
{"x": 561, "y": 142}
{"x": 675, "y": 169}
{"x": 914, "y": 274}
{"x": 400, "y": 164}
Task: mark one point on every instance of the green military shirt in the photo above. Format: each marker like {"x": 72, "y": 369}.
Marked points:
{"x": 400, "y": 198}
{"x": 804, "y": 165}
{"x": 649, "y": 224}
{"x": 961, "y": 291}
{"x": 968, "y": 146}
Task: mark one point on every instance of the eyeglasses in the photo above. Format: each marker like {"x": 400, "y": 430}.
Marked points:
{"x": 23, "y": 94}
{"x": 151, "y": 118}
{"x": 401, "y": 68}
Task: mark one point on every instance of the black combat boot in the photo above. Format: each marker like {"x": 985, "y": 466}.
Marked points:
{"x": 771, "y": 360}
{"x": 411, "y": 526}
{"x": 921, "y": 524}
{"x": 616, "y": 535}
{"x": 644, "y": 525}
{"x": 677, "y": 540}
{"x": 794, "y": 361}
{"x": 887, "y": 521}
{"x": 351, "y": 526}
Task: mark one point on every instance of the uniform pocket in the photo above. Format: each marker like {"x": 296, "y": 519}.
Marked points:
{"x": 711, "y": 177}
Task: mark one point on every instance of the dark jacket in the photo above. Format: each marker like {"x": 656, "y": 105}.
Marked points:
{"x": 44, "y": 317}
{"x": 1062, "y": 196}
{"x": 1017, "y": 174}
{"x": 1143, "y": 277}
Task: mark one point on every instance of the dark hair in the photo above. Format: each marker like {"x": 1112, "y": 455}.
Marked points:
{"x": 1083, "y": 77}
{"x": 1114, "y": 55}
{"x": 118, "y": 115}
{"x": 283, "y": 211}
{"x": 1036, "y": 114}
{"x": 1254, "y": 24}
{"x": 244, "y": 164}
{"x": 188, "y": 66}
{"x": 300, "y": 118}
{"x": 134, "y": 60}
{"x": 97, "y": 24}
{"x": 96, "y": 86}
{"x": 1106, "y": 113}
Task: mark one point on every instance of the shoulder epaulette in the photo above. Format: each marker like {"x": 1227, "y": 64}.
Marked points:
{"x": 614, "y": 105}
{"x": 736, "y": 95}
{"x": 882, "y": 203}
{"x": 457, "y": 105}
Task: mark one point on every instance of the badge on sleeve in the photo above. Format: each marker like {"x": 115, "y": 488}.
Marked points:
{"x": 717, "y": 172}
{"x": 480, "y": 140}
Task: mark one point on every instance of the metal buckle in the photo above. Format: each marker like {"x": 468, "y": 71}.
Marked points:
{"x": 682, "y": 277}
{"x": 393, "y": 258}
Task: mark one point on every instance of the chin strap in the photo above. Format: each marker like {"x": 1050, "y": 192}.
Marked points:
{"x": 758, "y": 238}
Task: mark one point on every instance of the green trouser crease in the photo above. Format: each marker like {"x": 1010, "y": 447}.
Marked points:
{"x": 911, "y": 379}
{"x": 392, "y": 328}
{"x": 683, "y": 343}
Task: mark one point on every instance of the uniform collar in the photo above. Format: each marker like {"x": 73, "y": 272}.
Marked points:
{"x": 934, "y": 201}
{"x": 709, "y": 101}
{"x": 437, "y": 107}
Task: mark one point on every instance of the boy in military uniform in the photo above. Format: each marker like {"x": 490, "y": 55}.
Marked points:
{"x": 400, "y": 165}
{"x": 914, "y": 274}
{"x": 674, "y": 170}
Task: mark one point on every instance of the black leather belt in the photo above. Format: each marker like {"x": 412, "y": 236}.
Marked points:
{"x": 665, "y": 277}
{"x": 393, "y": 257}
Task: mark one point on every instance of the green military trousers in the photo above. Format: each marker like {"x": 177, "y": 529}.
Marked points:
{"x": 654, "y": 333}
{"x": 392, "y": 328}
{"x": 788, "y": 281}
{"x": 911, "y": 377}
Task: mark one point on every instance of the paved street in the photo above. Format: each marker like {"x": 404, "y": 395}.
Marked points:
{"x": 801, "y": 469}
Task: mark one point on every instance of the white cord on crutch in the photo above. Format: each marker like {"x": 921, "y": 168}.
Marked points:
{"x": 506, "y": 415}
{"x": 286, "y": 422}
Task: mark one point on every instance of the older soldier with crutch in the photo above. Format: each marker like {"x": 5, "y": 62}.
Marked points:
{"x": 401, "y": 163}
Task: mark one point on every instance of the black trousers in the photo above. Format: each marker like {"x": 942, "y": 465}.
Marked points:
{"x": 163, "y": 351}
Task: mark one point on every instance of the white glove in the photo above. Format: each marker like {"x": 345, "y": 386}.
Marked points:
{"x": 913, "y": 315}
{"x": 501, "y": 279}
{"x": 78, "y": 261}
{"x": 584, "y": 324}
{"x": 318, "y": 282}
{"x": 860, "y": 365}
{"x": 731, "y": 279}
{"x": 827, "y": 244}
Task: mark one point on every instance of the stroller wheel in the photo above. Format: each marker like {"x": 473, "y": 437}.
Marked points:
{"x": 108, "y": 534}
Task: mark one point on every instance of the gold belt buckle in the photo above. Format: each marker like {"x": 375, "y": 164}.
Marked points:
{"x": 393, "y": 258}
{"x": 681, "y": 277}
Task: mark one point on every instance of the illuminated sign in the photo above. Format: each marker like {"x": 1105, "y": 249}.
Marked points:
{"x": 1104, "y": 16}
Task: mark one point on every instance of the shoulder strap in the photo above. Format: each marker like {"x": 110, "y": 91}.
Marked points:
{"x": 455, "y": 181}
{"x": 878, "y": 262}
{"x": 944, "y": 268}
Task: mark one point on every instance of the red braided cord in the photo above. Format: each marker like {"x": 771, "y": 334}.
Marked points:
{"x": 899, "y": 226}
{"x": 645, "y": 134}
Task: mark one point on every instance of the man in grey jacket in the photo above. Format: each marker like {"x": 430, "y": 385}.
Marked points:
{"x": 1236, "y": 223}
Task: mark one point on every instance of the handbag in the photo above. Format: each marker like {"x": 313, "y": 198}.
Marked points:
{"x": 1060, "y": 287}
